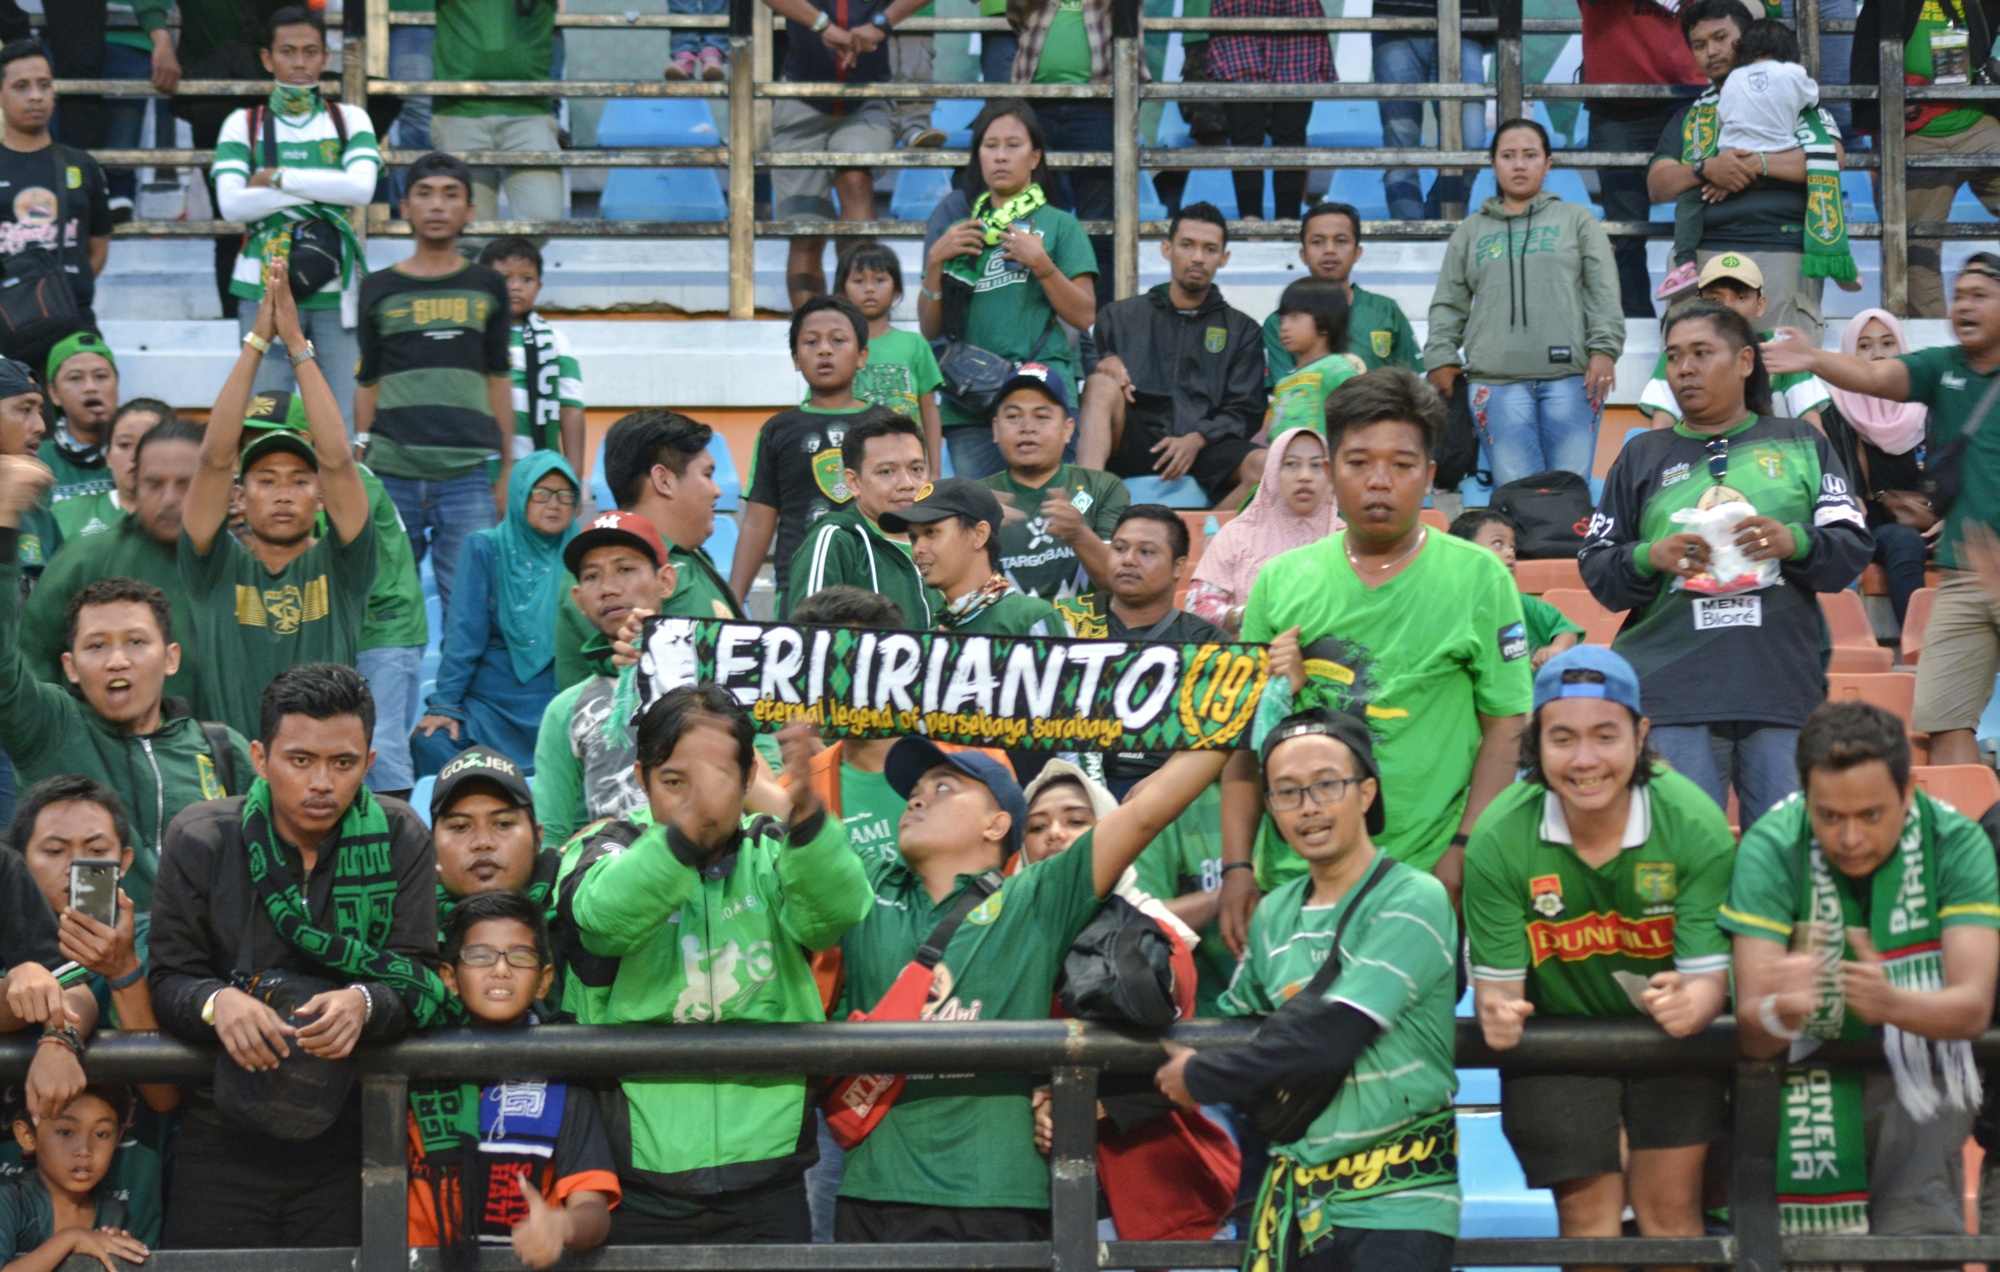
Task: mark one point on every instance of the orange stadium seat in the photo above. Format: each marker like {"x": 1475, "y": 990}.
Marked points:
{"x": 1435, "y": 519}
{"x": 1970, "y": 788}
{"x": 1915, "y": 621}
{"x": 1580, "y": 607}
{"x": 1894, "y": 691}
{"x": 1537, "y": 577}
{"x": 1854, "y": 645}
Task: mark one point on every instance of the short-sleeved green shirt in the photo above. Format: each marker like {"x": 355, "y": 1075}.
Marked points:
{"x": 1420, "y": 671}
{"x": 1545, "y": 622}
{"x": 700, "y": 591}
{"x": 1570, "y": 932}
{"x": 1299, "y": 400}
{"x": 901, "y": 371}
{"x": 1398, "y": 966}
{"x": 871, "y": 810}
{"x": 1378, "y": 333}
{"x": 396, "y": 618}
{"x": 1066, "y": 51}
{"x": 1038, "y": 562}
{"x": 1943, "y": 380}
{"x": 1764, "y": 891}
{"x": 951, "y": 1140}
{"x": 1009, "y": 314}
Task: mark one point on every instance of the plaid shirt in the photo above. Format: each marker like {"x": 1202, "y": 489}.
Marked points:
{"x": 1270, "y": 59}
{"x": 1034, "y": 24}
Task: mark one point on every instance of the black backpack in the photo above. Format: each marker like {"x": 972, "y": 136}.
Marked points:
{"x": 1458, "y": 447}
{"x": 1551, "y": 512}
{"x": 1120, "y": 970}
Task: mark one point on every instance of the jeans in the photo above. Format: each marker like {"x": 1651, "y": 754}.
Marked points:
{"x": 1756, "y": 758}
{"x": 1401, "y": 59}
{"x": 440, "y": 516}
{"x": 336, "y": 348}
{"x": 974, "y": 453}
{"x": 996, "y": 57}
{"x": 1536, "y": 426}
{"x": 1628, "y": 126}
{"x": 124, "y": 118}
{"x": 1086, "y": 192}
{"x": 823, "y": 1183}
{"x": 1900, "y": 552}
{"x": 695, "y": 41}
{"x": 409, "y": 59}
{"x": 392, "y": 677}
{"x": 533, "y": 194}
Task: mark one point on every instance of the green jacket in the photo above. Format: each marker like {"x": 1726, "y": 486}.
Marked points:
{"x": 842, "y": 547}
{"x": 49, "y": 731}
{"x": 726, "y": 940}
{"x": 124, "y": 551}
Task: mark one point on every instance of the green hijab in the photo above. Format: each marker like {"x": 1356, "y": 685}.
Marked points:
{"x": 528, "y": 573}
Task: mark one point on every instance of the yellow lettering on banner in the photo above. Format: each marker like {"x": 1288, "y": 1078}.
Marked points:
{"x": 1104, "y": 732}
{"x": 1365, "y": 1169}
{"x": 975, "y": 724}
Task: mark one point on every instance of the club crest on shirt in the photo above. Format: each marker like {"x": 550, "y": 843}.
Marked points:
{"x": 1654, "y": 881}
{"x": 1214, "y": 339}
{"x": 1545, "y": 894}
{"x": 1381, "y": 342}
{"x": 830, "y": 476}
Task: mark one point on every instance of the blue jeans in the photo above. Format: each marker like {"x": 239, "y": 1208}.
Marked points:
{"x": 1757, "y": 759}
{"x": 1535, "y": 426}
{"x": 337, "y": 349}
{"x": 695, "y": 41}
{"x": 996, "y": 57}
{"x": 974, "y": 454}
{"x": 410, "y": 59}
{"x": 1900, "y": 551}
{"x": 823, "y": 1183}
{"x": 392, "y": 677}
{"x": 1403, "y": 59}
{"x": 439, "y": 516}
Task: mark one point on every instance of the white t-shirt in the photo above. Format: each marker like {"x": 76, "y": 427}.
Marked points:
{"x": 1761, "y": 103}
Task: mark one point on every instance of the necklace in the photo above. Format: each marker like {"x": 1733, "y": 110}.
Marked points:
{"x": 1422, "y": 535}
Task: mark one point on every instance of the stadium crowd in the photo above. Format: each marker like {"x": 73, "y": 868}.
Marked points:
{"x": 213, "y": 723}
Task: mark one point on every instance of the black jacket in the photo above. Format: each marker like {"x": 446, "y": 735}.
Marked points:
{"x": 1200, "y": 372}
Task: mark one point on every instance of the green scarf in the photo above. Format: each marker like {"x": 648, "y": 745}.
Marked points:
{"x": 295, "y": 102}
{"x": 364, "y": 901}
{"x": 1823, "y": 1168}
{"x": 542, "y": 381}
{"x": 1825, "y": 239}
{"x": 996, "y": 220}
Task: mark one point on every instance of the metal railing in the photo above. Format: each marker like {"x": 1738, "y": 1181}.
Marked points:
{"x": 750, "y": 86}
{"x": 1073, "y": 1054}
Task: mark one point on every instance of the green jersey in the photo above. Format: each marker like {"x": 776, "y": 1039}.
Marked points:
{"x": 80, "y": 469}
{"x": 901, "y": 372}
{"x": 947, "y": 1140}
{"x": 396, "y": 618}
{"x": 85, "y": 515}
{"x": 1299, "y": 400}
{"x": 1010, "y": 314}
{"x": 1582, "y": 939}
{"x": 1014, "y": 614}
{"x": 310, "y": 150}
{"x": 1378, "y": 333}
{"x": 1943, "y": 380}
{"x": 1545, "y": 622}
{"x": 1398, "y": 966}
{"x": 700, "y": 591}
{"x": 1918, "y": 60}
{"x": 1065, "y": 55}
{"x": 846, "y": 547}
{"x": 1035, "y": 560}
{"x": 494, "y": 40}
{"x": 126, "y": 552}
{"x": 1419, "y": 672}
{"x": 871, "y": 811}
{"x": 1187, "y": 857}
{"x": 1792, "y": 395}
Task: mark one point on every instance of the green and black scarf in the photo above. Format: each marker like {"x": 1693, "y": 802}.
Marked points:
{"x": 996, "y": 218}
{"x": 1826, "y": 254}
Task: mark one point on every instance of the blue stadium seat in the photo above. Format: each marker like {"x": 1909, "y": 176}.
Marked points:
{"x": 726, "y": 479}
{"x": 1174, "y": 134}
{"x": 420, "y": 797}
{"x": 657, "y": 121}
{"x": 1151, "y": 207}
{"x": 955, "y": 118}
{"x": 1965, "y": 206}
{"x": 1211, "y": 185}
{"x": 721, "y": 543}
{"x": 918, "y": 192}
{"x": 1361, "y": 187}
{"x": 1498, "y": 1201}
{"x": 1185, "y": 493}
{"x": 1662, "y": 212}
{"x": 663, "y": 194}
{"x": 1859, "y": 195}
{"x": 1347, "y": 125}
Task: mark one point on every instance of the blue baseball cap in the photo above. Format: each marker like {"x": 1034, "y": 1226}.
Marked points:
{"x": 1037, "y": 376}
{"x": 912, "y": 757}
{"x": 1588, "y": 671}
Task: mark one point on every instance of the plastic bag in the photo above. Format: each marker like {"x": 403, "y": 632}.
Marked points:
{"x": 1729, "y": 572}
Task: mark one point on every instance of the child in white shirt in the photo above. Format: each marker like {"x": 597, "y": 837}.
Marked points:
{"x": 1763, "y": 96}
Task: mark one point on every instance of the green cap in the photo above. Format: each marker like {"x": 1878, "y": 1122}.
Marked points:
{"x": 70, "y": 346}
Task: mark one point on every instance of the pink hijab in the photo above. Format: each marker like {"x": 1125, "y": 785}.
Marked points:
{"x": 1266, "y": 528}
{"x": 1895, "y": 427}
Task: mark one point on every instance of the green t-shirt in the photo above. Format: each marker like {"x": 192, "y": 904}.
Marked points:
{"x": 1035, "y": 560}
{"x": 1576, "y": 935}
{"x": 1066, "y": 53}
{"x": 1378, "y": 332}
{"x": 250, "y": 624}
{"x": 1765, "y": 887}
{"x": 1942, "y": 379}
{"x": 699, "y": 591}
{"x": 901, "y": 371}
{"x": 1420, "y": 672}
{"x": 28, "y": 1217}
{"x": 1187, "y": 857}
{"x": 494, "y": 40}
{"x": 1009, "y": 314}
{"x": 86, "y": 515}
{"x": 1398, "y": 965}
{"x": 75, "y": 477}
{"x": 1545, "y": 622}
{"x": 950, "y": 1139}
{"x": 871, "y": 810}
{"x": 396, "y": 618}
{"x": 1015, "y": 614}
{"x": 1299, "y": 400}
{"x": 1917, "y": 61}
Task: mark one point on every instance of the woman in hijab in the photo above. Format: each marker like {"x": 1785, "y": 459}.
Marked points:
{"x": 1292, "y": 508}
{"x": 497, "y": 673}
{"x": 1881, "y": 444}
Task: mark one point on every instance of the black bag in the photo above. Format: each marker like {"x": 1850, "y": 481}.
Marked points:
{"x": 972, "y": 375}
{"x": 1287, "y": 1113}
{"x": 316, "y": 250}
{"x": 1551, "y": 512}
{"x": 1944, "y": 468}
{"x": 1458, "y": 448}
{"x": 304, "y": 1095}
{"x": 1120, "y": 970}
{"x": 38, "y": 305}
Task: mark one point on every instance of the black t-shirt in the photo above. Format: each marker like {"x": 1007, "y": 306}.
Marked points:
{"x": 37, "y": 192}
{"x": 797, "y": 469}
{"x": 1768, "y": 213}
{"x": 27, "y": 927}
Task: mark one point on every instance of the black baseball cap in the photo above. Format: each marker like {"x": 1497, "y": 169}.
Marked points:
{"x": 1039, "y": 377}
{"x": 952, "y": 497}
{"x": 475, "y": 765}
{"x": 912, "y": 757}
{"x": 269, "y": 439}
{"x": 1342, "y": 728}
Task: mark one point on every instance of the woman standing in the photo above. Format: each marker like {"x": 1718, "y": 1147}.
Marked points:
{"x": 497, "y": 672}
{"x": 1527, "y": 306}
{"x": 1292, "y": 508}
{"x": 1002, "y": 271}
{"x": 1882, "y": 446}
{"x": 1728, "y": 675}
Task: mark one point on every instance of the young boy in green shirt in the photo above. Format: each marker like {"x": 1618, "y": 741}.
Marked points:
{"x": 1312, "y": 325}
{"x": 901, "y": 372}
{"x": 59, "y": 1211}
{"x": 1549, "y": 630}
{"x": 548, "y": 395}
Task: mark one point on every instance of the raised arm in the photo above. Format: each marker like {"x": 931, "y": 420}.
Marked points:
{"x": 207, "y": 503}
{"x": 340, "y": 485}
{"x": 1791, "y": 352}
{"x": 1151, "y": 807}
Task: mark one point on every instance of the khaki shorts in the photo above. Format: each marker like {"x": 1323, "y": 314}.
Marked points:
{"x": 1961, "y": 655}
{"x": 806, "y": 194}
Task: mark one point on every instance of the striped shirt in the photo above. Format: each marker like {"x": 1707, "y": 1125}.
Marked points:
{"x": 429, "y": 344}
{"x": 317, "y": 167}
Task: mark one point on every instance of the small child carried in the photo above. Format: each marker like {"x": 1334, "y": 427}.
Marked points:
{"x": 1763, "y": 96}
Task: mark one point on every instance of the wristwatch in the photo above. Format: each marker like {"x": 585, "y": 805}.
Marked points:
{"x": 304, "y": 355}
{"x": 1699, "y": 164}
{"x": 208, "y": 1009}
{"x": 821, "y": 23}
{"x": 880, "y": 21}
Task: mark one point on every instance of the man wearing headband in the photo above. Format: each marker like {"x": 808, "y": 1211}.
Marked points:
{"x": 1591, "y": 890}
{"x": 1384, "y": 1026}
{"x": 82, "y": 380}
{"x": 1960, "y": 383}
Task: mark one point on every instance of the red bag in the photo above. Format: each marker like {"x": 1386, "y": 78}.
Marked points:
{"x": 1173, "y": 1179}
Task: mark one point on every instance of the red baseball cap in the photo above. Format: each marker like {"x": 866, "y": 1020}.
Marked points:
{"x": 606, "y": 528}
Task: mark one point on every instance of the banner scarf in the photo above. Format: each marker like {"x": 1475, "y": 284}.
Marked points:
{"x": 476, "y": 1143}
{"x": 996, "y": 220}
{"x": 1822, "y": 1165}
{"x": 1290, "y": 1220}
{"x": 543, "y": 382}
{"x": 1825, "y": 238}
{"x": 1017, "y": 693}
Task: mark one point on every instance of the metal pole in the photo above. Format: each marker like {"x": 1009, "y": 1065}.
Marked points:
{"x": 1507, "y": 60}
{"x": 385, "y": 1173}
{"x": 1073, "y": 1171}
{"x": 1451, "y": 114}
{"x": 742, "y": 166}
{"x": 1126, "y": 54}
{"x": 1753, "y": 1185}
{"x": 377, "y": 14}
{"x": 1808, "y": 25}
{"x": 1894, "y": 195}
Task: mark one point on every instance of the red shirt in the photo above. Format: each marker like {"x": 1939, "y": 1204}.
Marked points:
{"x": 1634, "y": 42}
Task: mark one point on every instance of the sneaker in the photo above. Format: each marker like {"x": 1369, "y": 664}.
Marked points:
{"x": 1680, "y": 280}
{"x": 712, "y": 67}
{"x": 683, "y": 67}
{"x": 923, "y": 137}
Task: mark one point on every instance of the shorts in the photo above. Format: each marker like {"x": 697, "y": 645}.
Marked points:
{"x": 1565, "y": 1125}
{"x": 772, "y": 1214}
{"x": 806, "y": 194}
{"x": 1214, "y": 467}
{"x": 1377, "y": 1250}
{"x": 894, "y": 1222}
{"x": 1961, "y": 655}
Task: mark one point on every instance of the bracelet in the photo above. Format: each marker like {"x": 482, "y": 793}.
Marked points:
{"x": 1767, "y": 1016}
{"x": 928, "y": 294}
{"x": 128, "y": 980}
{"x": 304, "y": 355}
{"x": 65, "y": 1035}
{"x": 1237, "y": 865}
{"x": 256, "y": 342}
{"x": 1765, "y": 161}
{"x": 821, "y": 23}
{"x": 1460, "y": 840}
{"x": 367, "y": 1003}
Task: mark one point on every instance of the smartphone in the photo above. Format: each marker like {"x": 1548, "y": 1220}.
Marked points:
{"x": 1020, "y": 226}
{"x": 93, "y": 890}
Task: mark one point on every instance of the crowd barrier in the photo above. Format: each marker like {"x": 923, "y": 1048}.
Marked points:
{"x": 1073, "y": 1054}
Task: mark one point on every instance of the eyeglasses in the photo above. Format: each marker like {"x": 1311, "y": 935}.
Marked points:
{"x": 542, "y": 495}
{"x": 1718, "y": 458}
{"x": 1325, "y": 794}
{"x": 523, "y": 956}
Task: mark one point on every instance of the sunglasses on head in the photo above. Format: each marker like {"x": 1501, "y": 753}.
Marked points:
{"x": 1718, "y": 458}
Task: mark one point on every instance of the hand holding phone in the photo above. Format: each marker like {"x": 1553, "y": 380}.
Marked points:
{"x": 93, "y": 890}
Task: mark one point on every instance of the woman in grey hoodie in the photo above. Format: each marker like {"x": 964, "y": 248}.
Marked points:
{"x": 1527, "y": 308}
